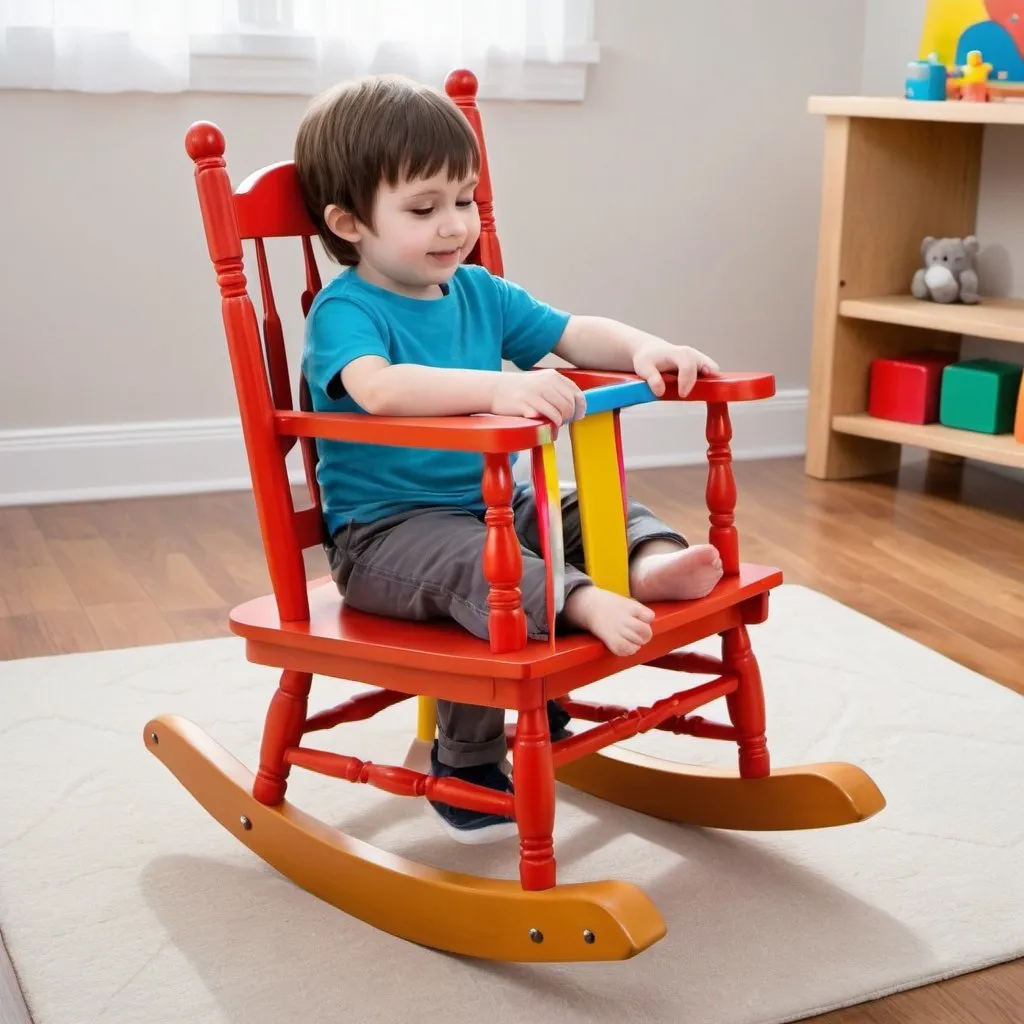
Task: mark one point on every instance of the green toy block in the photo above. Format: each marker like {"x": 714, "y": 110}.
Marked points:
{"x": 980, "y": 395}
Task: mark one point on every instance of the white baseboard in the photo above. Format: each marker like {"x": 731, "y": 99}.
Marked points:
{"x": 131, "y": 460}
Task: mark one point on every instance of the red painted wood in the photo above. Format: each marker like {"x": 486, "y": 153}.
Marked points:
{"x": 310, "y": 455}
{"x": 355, "y": 709}
{"x": 503, "y": 559}
{"x": 755, "y": 609}
{"x": 268, "y": 204}
{"x": 688, "y": 725}
{"x": 586, "y": 711}
{"x": 286, "y": 718}
{"x": 746, "y": 704}
{"x": 273, "y": 337}
{"x": 721, "y": 488}
{"x": 402, "y": 781}
{"x": 309, "y": 527}
{"x": 461, "y": 86}
{"x": 728, "y": 386}
{"x": 704, "y": 728}
{"x": 690, "y": 661}
{"x": 540, "y": 491}
{"x": 641, "y": 719}
{"x": 499, "y": 434}
{"x": 621, "y": 460}
{"x": 313, "y": 284}
{"x": 535, "y": 799}
{"x": 338, "y": 631}
{"x": 731, "y": 386}
{"x": 271, "y": 489}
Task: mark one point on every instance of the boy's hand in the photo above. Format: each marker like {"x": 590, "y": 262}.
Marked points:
{"x": 545, "y": 394}
{"x": 656, "y": 357}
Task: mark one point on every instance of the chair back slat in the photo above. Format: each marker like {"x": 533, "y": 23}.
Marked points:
{"x": 273, "y": 335}
{"x": 313, "y": 284}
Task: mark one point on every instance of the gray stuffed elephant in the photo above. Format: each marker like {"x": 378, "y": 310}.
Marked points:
{"x": 948, "y": 274}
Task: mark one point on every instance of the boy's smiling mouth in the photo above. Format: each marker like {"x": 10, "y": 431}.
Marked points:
{"x": 445, "y": 255}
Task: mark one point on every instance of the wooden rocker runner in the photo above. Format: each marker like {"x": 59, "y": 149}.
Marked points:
{"x": 303, "y": 629}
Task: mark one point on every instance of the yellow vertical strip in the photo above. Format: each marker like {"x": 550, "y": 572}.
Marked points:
{"x": 599, "y": 489}
{"x": 426, "y": 719}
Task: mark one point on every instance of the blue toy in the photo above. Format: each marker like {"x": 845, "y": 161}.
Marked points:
{"x": 926, "y": 79}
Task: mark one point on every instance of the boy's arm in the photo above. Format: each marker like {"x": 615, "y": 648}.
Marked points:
{"x": 408, "y": 389}
{"x": 598, "y": 343}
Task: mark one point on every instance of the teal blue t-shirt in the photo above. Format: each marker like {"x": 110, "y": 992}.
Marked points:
{"x": 480, "y": 320}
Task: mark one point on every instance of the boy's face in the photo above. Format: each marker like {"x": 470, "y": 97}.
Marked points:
{"x": 423, "y": 229}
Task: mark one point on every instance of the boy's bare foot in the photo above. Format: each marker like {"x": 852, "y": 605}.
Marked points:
{"x": 663, "y": 571}
{"x": 620, "y": 623}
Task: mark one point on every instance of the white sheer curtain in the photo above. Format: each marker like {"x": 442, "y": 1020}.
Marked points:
{"x": 150, "y": 45}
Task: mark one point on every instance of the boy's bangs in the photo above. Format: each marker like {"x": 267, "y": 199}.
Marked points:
{"x": 430, "y": 141}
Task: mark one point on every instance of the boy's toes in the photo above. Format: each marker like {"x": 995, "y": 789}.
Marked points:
{"x": 642, "y": 612}
{"x": 639, "y": 632}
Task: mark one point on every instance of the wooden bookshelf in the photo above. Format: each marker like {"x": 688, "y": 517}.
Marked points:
{"x": 898, "y": 109}
{"x": 1002, "y": 319}
{"x": 998, "y": 448}
{"x": 894, "y": 171}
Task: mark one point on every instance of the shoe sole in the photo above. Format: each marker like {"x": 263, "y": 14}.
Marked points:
{"x": 484, "y": 836}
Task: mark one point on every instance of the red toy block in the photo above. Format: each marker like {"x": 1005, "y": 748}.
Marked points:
{"x": 907, "y": 389}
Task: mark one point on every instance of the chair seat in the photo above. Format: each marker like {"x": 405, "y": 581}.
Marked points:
{"x": 346, "y": 634}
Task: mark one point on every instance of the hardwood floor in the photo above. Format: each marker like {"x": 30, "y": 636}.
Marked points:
{"x": 939, "y": 558}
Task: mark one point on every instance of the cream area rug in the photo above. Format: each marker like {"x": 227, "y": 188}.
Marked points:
{"x": 121, "y": 901}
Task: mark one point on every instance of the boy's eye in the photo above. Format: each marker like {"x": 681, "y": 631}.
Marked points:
{"x": 464, "y": 202}
{"x": 423, "y": 211}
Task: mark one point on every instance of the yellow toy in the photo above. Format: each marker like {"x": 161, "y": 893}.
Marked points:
{"x": 973, "y": 81}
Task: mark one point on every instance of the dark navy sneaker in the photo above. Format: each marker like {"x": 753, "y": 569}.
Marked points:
{"x": 558, "y": 719}
{"x": 473, "y": 827}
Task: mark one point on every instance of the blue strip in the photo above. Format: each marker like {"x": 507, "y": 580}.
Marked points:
{"x": 617, "y": 396}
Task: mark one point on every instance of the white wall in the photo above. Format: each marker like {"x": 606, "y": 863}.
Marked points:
{"x": 681, "y": 196}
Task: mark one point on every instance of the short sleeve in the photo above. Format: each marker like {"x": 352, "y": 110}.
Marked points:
{"x": 338, "y": 331}
{"x": 530, "y": 328}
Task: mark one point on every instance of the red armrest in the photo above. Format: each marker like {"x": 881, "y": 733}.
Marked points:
{"x": 457, "y": 433}
{"x": 722, "y": 387}
{"x": 501, "y": 434}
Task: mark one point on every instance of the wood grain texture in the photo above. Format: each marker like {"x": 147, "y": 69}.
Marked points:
{"x": 938, "y": 558}
{"x": 886, "y": 184}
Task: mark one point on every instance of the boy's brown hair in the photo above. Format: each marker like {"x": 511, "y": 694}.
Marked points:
{"x": 380, "y": 128}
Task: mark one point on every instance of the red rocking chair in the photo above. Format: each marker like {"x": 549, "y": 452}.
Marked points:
{"x": 304, "y": 629}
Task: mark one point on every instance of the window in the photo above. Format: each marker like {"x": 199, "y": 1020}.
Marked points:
{"x": 519, "y": 49}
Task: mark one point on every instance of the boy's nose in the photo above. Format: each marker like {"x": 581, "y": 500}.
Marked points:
{"x": 452, "y": 229}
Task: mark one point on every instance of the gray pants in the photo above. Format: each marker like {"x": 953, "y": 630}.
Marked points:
{"x": 428, "y": 564}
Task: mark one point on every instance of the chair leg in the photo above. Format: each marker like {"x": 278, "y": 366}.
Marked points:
{"x": 746, "y": 703}
{"x": 535, "y": 799}
{"x": 282, "y": 729}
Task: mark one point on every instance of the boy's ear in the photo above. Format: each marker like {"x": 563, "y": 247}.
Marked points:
{"x": 342, "y": 223}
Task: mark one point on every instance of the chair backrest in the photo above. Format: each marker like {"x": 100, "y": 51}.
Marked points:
{"x": 269, "y": 204}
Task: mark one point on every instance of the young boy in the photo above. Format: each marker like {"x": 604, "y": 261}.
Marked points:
{"x": 388, "y": 170}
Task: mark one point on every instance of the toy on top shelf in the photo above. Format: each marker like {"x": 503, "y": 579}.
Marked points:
{"x": 926, "y": 79}
{"x": 973, "y": 80}
{"x": 948, "y": 274}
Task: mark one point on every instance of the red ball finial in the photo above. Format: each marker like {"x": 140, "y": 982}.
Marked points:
{"x": 461, "y": 84}
{"x": 204, "y": 141}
